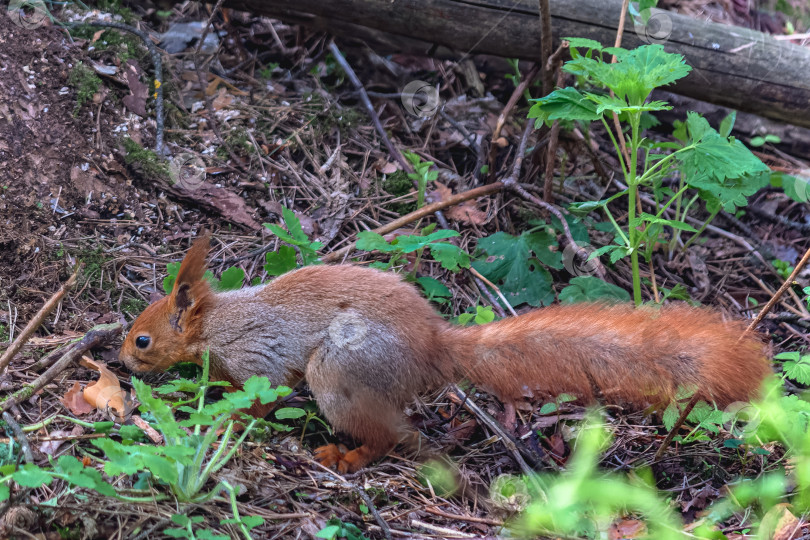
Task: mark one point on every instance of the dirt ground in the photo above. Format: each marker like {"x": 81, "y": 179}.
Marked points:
{"x": 288, "y": 130}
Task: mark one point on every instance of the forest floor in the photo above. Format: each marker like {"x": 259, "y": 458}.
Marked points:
{"x": 277, "y": 124}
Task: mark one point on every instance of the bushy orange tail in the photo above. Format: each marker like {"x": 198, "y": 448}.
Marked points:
{"x": 612, "y": 353}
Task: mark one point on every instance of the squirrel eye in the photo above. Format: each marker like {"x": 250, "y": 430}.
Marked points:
{"x": 142, "y": 342}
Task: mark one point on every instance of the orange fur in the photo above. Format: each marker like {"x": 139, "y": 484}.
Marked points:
{"x": 367, "y": 343}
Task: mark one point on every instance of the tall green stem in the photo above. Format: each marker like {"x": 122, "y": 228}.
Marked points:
{"x": 632, "y": 192}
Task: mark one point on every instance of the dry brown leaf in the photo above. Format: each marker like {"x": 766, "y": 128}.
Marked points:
{"x": 779, "y": 523}
{"x": 466, "y": 212}
{"x": 223, "y": 99}
{"x": 106, "y": 391}
{"x": 74, "y": 402}
{"x": 627, "y": 529}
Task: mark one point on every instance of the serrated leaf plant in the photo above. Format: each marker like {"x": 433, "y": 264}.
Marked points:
{"x": 720, "y": 169}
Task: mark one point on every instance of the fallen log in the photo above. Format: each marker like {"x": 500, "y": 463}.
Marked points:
{"x": 732, "y": 66}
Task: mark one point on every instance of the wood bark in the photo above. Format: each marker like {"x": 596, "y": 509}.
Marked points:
{"x": 731, "y": 66}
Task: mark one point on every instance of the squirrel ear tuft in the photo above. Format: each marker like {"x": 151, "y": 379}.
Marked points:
{"x": 193, "y": 266}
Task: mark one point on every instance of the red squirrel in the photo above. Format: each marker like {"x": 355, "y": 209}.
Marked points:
{"x": 367, "y": 342}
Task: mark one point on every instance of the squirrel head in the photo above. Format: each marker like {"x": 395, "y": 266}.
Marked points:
{"x": 168, "y": 331}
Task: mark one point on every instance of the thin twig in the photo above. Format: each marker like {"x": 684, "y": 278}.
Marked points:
{"x": 513, "y": 99}
{"x": 347, "y": 68}
{"x": 38, "y": 319}
{"x": 512, "y": 182}
{"x": 419, "y": 214}
{"x": 20, "y": 436}
{"x": 775, "y": 298}
{"x": 373, "y": 509}
{"x": 99, "y": 335}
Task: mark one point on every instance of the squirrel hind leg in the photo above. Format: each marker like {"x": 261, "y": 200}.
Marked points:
{"x": 360, "y": 410}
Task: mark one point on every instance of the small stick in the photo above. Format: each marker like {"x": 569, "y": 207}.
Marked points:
{"x": 419, "y": 214}
{"x": 511, "y": 182}
{"x": 775, "y": 298}
{"x": 35, "y": 323}
{"x": 493, "y": 148}
{"x": 344, "y": 65}
{"x": 373, "y": 509}
{"x": 495, "y": 288}
{"x": 21, "y": 439}
{"x": 98, "y": 335}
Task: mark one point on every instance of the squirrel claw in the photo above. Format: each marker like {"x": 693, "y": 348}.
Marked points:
{"x": 330, "y": 455}
{"x": 339, "y": 458}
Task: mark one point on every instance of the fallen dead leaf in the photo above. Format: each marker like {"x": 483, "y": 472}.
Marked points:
{"x": 75, "y": 402}
{"x": 106, "y": 392}
{"x": 779, "y": 523}
{"x": 627, "y": 529}
{"x": 466, "y": 212}
{"x": 62, "y": 436}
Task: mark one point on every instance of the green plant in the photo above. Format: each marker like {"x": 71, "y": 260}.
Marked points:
{"x": 482, "y": 315}
{"x": 583, "y": 501}
{"x": 450, "y": 256}
{"x": 151, "y": 164}
{"x": 194, "y": 448}
{"x": 86, "y": 84}
{"x": 284, "y": 260}
{"x": 421, "y": 175}
{"x": 783, "y": 268}
{"x": 230, "y": 280}
{"x": 721, "y": 170}
{"x": 335, "y": 528}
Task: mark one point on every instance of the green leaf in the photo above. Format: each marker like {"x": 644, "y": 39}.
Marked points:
{"x": 252, "y": 521}
{"x": 371, "y": 241}
{"x": 509, "y": 262}
{"x": 231, "y": 279}
{"x": 329, "y": 532}
{"x": 280, "y": 262}
{"x": 257, "y": 387}
{"x": 484, "y": 315}
{"x": 548, "y": 408}
{"x": 168, "y": 282}
{"x": 727, "y": 124}
{"x": 32, "y": 476}
{"x": 433, "y": 288}
{"x": 670, "y": 416}
{"x": 288, "y": 413}
{"x": 649, "y": 218}
{"x": 592, "y": 289}
{"x": 450, "y": 256}
{"x": 563, "y": 104}
{"x": 131, "y": 433}
{"x": 158, "y": 408}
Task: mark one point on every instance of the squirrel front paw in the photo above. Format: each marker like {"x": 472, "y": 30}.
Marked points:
{"x": 338, "y": 458}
